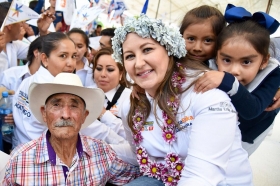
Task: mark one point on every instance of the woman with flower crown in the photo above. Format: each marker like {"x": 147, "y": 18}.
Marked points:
{"x": 178, "y": 137}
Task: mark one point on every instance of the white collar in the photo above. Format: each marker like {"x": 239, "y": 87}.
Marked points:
{"x": 87, "y": 66}
{"x": 272, "y": 64}
{"x": 150, "y": 98}
{"x": 111, "y": 93}
{"x": 25, "y": 70}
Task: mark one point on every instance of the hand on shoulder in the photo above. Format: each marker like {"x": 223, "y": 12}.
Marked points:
{"x": 210, "y": 80}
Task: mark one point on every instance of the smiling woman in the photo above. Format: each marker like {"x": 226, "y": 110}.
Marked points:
{"x": 58, "y": 54}
{"x": 174, "y": 133}
{"x": 110, "y": 77}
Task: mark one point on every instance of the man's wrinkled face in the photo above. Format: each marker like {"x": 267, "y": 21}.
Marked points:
{"x": 64, "y": 115}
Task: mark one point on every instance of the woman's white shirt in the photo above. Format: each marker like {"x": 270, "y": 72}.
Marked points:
{"x": 14, "y": 50}
{"x": 12, "y": 77}
{"x": 210, "y": 143}
{"x": 109, "y": 117}
{"x": 86, "y": 74}
{"x": 27, "y": 126}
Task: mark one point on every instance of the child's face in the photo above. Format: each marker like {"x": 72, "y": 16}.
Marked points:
{"x": 200, "y": 41}
{"x": 238, "y": 57}
{"x": 80, "y": 45}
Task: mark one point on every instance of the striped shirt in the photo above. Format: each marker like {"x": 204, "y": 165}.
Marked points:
{"x": 95, "y": 163}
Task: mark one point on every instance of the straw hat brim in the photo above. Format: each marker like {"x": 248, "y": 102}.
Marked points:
{"x": 93, "y": 97}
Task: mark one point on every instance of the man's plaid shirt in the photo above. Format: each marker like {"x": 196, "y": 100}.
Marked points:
{"x": 95, "y": 163}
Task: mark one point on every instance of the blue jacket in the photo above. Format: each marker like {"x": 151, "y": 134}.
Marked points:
{"x": 251, "y": 101}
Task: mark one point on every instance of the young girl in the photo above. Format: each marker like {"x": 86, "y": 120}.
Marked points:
{"x": 246, "y": 72}
{"x": 200, "y": 28}
{"x": 179, "y": 137}
{"x": 83, "y": 70}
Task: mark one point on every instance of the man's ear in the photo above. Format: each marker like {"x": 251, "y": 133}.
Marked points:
{"x": 85, "y": 116}
{"x": 43, "y": 112}
{"x": 265, "y": 62}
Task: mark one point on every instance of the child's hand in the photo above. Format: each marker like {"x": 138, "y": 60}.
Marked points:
{"x": 210, "y": 80}
{"x": 9, "y": 119}
{"x": 44, "y": 22}
{"x": 276, "y": 103}
{"x": 135, "y": 90}
{"x": 28, "y": 29}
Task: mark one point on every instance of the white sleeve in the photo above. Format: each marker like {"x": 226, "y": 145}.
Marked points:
{"x": 113, "y": 122}
{"x": 126, "y": 152}
{"x": 234, "y": 89}
{"x": 210, "y": 142}
{"x": 100, "y": 131}
{"x": 31, "y": 38}
{"x": 6, "y": 80}
{"x": 22, "y": 49}
{"x": 27, "y": 126}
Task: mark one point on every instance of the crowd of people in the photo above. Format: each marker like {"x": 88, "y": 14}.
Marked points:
{"x": 154, "y": 106}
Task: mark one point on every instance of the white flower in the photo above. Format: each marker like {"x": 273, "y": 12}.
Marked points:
{"x": 147, "y": 27}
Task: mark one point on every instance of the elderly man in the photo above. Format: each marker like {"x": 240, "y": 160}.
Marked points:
{"x": 61, "y": 156}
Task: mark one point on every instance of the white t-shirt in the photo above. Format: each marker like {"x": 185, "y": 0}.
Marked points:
{"x": 210, "y": 143}
{"x": 86, "y": 74}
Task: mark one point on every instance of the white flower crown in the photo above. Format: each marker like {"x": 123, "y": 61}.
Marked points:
{"x": 147, "y": 27}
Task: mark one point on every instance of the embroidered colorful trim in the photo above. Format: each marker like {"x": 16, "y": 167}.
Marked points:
{"x": 169, "y": 172}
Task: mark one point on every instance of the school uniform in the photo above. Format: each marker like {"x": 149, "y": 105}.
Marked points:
{"x": 112, "y": 117}
{"x": 11, "y": 79}
{"x": 14, "y": 50}
{"x": 27, "y": 127}
{"x": 86, "y": 74}
{"x": 209, "y": 143}
{"x": 251, "y": 100}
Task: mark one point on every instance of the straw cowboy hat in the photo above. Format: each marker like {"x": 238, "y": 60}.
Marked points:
{"x": 66, "y": 83}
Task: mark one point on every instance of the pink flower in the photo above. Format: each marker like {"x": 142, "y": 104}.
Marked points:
{"x": 172, "y": 159}
{"x": 170, "y": 180}
{"x": 180, "y": 66}
{"x": 137, "y": 138}
{"x": 141, "y": 152}
{"x": 154, "y": 170}
{"x": 177, "y": 80}
{"x": 178, "y": 169}
{"x": 143, "y": 161}
{"x": 169, "y": 135}
{"x": 138, "y": 120}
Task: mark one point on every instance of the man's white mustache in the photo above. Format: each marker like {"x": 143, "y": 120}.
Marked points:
{"x": 64, "y": 123}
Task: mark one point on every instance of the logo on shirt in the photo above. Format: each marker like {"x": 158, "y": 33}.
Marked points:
{"x": 148, "y": 126}
{"x": 23, "y": 104}
{"x": 224, "y": 106}
{"x": 186, "y": 121}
